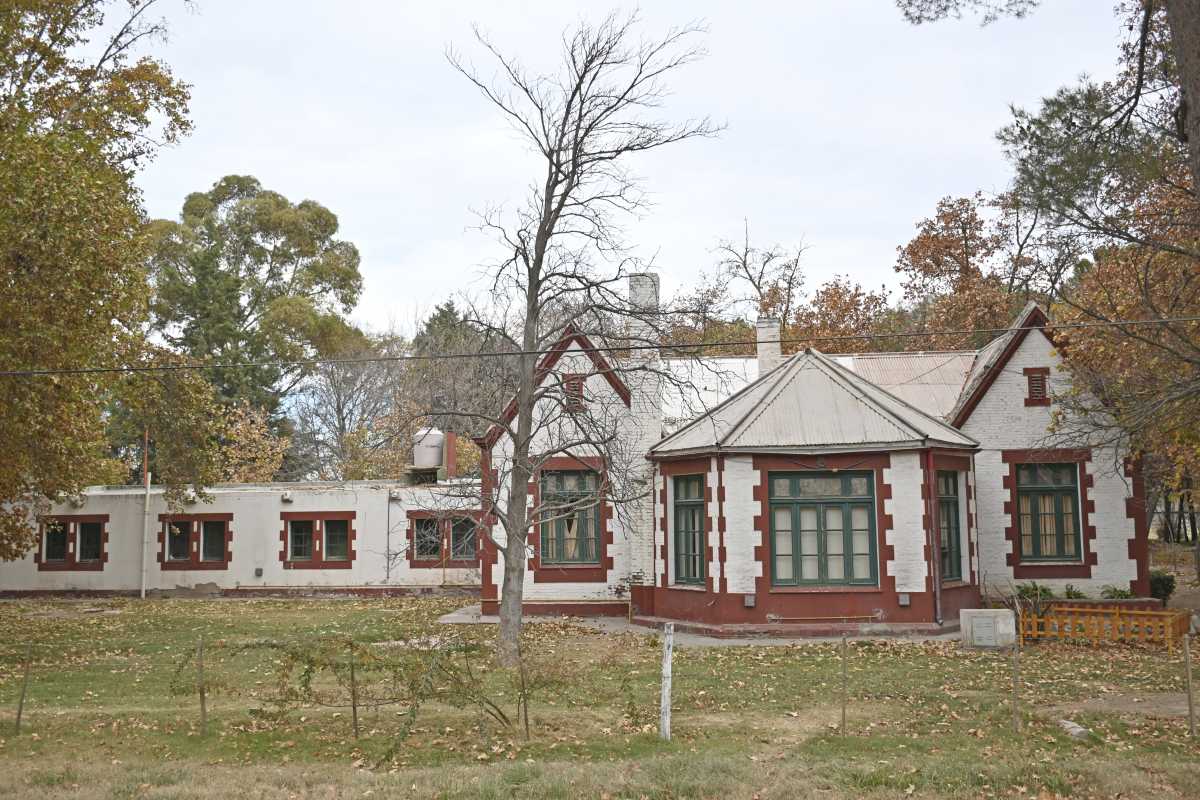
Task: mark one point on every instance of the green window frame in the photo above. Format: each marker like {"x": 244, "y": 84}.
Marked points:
{"x": 212, "y": 540}
{"x": 1048, "y": 512}
{"x": 688, "y": 500}
{"x": 55, "y": 548}
{"x": 949, "y": 525}
{"x": 462, "y": 539}
{"x": 91, "y": 541}
{"x": 570, "y": 517}
{"x": 300, "y": 540}
{"x": 337, "y": 539}
{"x": 823, "y": 529}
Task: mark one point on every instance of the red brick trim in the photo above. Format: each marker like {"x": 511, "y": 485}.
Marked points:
{"x": 1035, "y": 320}
{"x": 318, "y": 560}
{"x": 552, "y": 357}
{"x": 723, "y": 586}
{"x": 445, "y": 521}
{"x": 1139, "y": 544}
{"x": 1037, "y": 386}
{"x": 71, "y": 563}
{"x": 569, "y": 573}
{"x": 193, "y": 560}
{"x": 669, "y": 470}
{"x": 489, "y": 554}
{"x": 1087, "y": 510}
{"x": 602, "y": 608}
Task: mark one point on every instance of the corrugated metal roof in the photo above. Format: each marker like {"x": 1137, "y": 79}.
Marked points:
{"x": 930, "y": 381}
{"x": 811, "y": 403}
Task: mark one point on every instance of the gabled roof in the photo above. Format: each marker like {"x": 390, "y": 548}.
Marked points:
{"x": 811, "y": 403}
{"x": 571, "y": 335}
{"x": 990, "y": 361}
{"x": 929, "y": 380}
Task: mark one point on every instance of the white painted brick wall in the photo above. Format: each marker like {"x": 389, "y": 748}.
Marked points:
{"x": 741, "y": 536}
{"x": 714, "y": 536}
{"x": 1002, "y": 421}
{"x": 907, "y": 535}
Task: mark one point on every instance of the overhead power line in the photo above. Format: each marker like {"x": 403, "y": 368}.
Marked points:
{"x": 313, "y": 362}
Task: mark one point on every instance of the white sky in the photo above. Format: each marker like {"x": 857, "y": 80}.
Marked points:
{"x": 845, "y": 124}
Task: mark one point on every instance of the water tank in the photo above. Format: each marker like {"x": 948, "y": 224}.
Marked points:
{"x": 427, "y": 448}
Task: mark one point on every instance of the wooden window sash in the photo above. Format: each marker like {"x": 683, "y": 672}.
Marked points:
{"x": 690, "y": 541}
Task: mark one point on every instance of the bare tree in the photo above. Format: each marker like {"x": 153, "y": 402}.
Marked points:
{"x": 566, "y": 258}
{"x": 775, "y": 275}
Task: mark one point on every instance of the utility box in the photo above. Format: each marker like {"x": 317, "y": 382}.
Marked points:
{"x": 988, "y": 627}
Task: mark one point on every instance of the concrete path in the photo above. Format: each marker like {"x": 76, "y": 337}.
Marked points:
{"x": 471, "y": 615}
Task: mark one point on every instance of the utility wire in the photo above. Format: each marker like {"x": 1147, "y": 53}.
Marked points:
{"x": 312, "y": 362}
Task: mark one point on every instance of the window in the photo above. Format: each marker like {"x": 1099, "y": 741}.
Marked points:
{"x": 949, "y": 525}
{"x": 822, "y": 528}
{"x": 573, "y": 392}
{"x": 212, "y": 540}
{"x": 462, "y": 539}
{"x": 1038, "y": 385}
{"x": 1048, "y": 511}
{"x": 337, "y": 539}
{"x": 55, "y": 548}
{"x": 300, "y": 540}
{"x": 689, "y": 529}
{"x": 178, "y": 536}
{"x": 570, "y": 527}
{"x": 428, "y": 539}
{"x": 90, "y": 541}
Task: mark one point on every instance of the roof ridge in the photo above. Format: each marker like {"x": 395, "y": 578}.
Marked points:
{"x": 772, "y": 393}
{"x": 882, "y": 413}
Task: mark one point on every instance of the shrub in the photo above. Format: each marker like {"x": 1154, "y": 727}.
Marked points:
{"x": 1115, "y": 593}
{"x": 1071, "y": 593}
{"x": 1162, "y": 585}
{"x": 1034, "y": 591}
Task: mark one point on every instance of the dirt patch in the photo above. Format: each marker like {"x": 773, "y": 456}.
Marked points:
{"x": 1161, "y": 704}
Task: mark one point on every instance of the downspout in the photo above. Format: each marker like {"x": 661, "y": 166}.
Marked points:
{"x": 145, "y": 506}
{"x": 935, "y": 536}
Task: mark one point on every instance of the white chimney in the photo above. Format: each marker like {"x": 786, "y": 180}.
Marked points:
{"x": 643, "y": 291}
{"x": 770, "y": 351}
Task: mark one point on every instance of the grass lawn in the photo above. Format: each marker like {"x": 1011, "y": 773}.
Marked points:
{"x": 111, "y": 714}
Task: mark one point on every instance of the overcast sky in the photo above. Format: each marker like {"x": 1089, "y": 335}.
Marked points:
{"x": 845, "y": 124}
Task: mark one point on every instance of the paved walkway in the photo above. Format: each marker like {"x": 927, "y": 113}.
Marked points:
{"x": 471, "y": 615}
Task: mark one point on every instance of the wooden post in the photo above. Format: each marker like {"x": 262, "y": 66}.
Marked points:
{"x": 1016, "y": 683}
{"x": 664, "y": 706}
{"x": 353, "y": 691}
{"x": 845, "y": 684}
{"x": 24, "y": 689}
{"x": 200, "y": 686}
{"x": 1187, "y": 669}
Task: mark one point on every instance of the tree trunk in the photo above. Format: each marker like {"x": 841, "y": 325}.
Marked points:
{"x": 1184, "y": 18}
{"x": 512, "y": 592}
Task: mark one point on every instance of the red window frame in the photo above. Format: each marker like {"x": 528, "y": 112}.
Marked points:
{"x": 318, "y": 560}
{"x": 1037, "y": 386}
{"x": 195, "y": 542}
{"x": 71, "y": 562}
{"x": 445, "y": 522}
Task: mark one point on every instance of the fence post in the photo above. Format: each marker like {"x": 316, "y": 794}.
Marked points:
{"x": 844, "y": 684}
{"x": 1187, "y": 669}
{"x": 200, "y": 686}
{"x": 24, "y": 689}
{"x": 353, "y": 691}
{"x": 664, "y": 704}
{"x": 1016, "y": 683}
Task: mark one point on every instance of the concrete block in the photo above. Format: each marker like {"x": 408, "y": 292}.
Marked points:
{"x": 988, "y": 627}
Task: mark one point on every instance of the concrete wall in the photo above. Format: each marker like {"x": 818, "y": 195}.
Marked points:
{"x": 1002, "y": 422}
{"x": 380, "y": 527}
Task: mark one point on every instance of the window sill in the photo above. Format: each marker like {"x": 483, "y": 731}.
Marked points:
{"x": 318, "y": 564}
{"x": 69, "y": 566}
{"x": 954, "y": 583}
{"x": 689, "y": 587}
{"x": 438, "y": 564}
{"x": 1037, "y": 562}
{"x": 825, "y": 590}
{"x": 182, "y": 566}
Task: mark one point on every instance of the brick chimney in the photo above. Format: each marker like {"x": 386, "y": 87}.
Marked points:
{"x": 768, "y": 347}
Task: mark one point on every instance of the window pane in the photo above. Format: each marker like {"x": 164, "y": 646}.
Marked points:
{"x": 178, "y": 534}
{"x": 212, "y": 541}
{"x": 1046, "y": 525}
{"x": 690, "y": 487}
{"x": 783, "y": 543}
{"x": 781, "y": 487}
{"x": 1026, "y": 519}
{"x": 89, "y": 540}
{"x": 427, "y": 539}
{"x": 337, "y": 539}
{"x": 783, "y": 568}
{"x": 301, "y": 539}
{"x": 833, "y": 518}
{"x": 835, "y": 566}
{"x": 826, "y": 486}
{"x": 808, "y": 568}
{"x": 860, "y": 486}
{"x": 862, "y": 567}
{"x": 1068, "y": 514}
{"x": 462, "y": 539}
{"x": 860, "y": 518}
{"x": 56, "y": 541}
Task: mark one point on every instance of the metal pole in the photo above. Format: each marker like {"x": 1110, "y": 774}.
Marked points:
{"x": 844, "y": 684}
{"x": 664, "y": 705}
{"x": 1016, "y": 683}
{"x": 200, "y": 685}
{"x": 1187, "y": 669}
{"x": 353, "y": 692}
{"x": 24, "y": 689}
{"x": 145, "y": 506}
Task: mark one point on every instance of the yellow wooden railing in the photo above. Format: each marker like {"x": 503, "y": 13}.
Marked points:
{"x": 1098, "y": 625}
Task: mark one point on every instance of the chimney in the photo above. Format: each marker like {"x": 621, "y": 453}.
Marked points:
{"x": 643, "y": 291}
{"x": 770, "y": 352}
